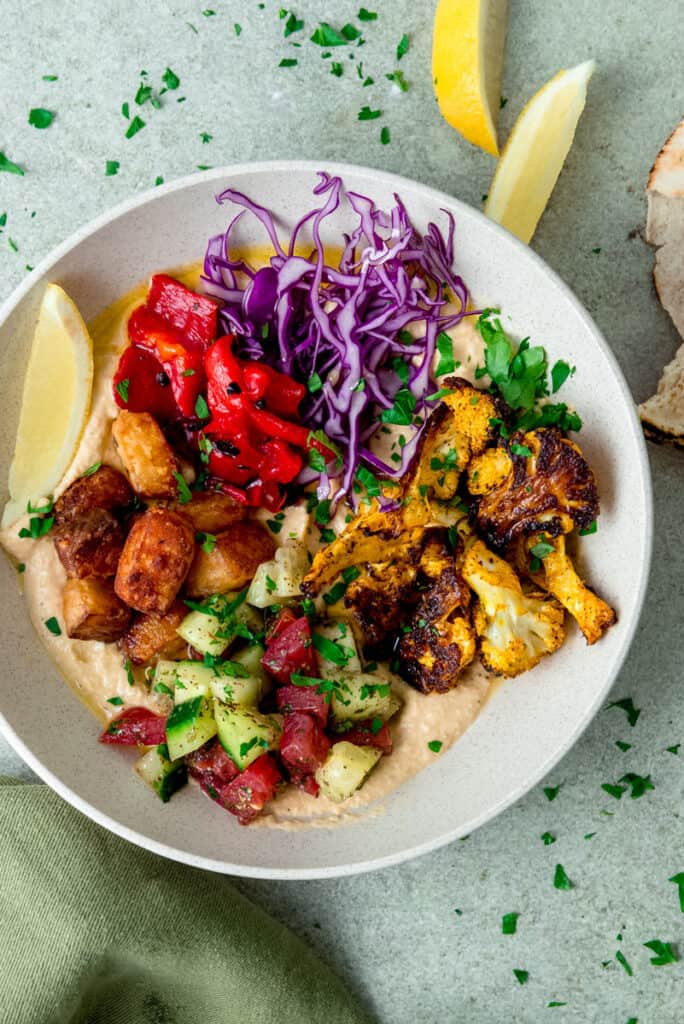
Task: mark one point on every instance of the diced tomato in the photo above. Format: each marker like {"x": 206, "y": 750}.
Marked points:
{"x": 142, "y": 385}
{"x": 303, "y": 746}
{"x": 286, "y": 616}
{"x": 193, "y": 315}
{"x": 212, "y": 765}
{"x": 307, "y": 783}
{"x": 303, "y": 698}
{"x": 292, "y": 651}
{"x": 363, "y": 736}
{"x": 247, "y": 794}
{"x": 136, "y": 725}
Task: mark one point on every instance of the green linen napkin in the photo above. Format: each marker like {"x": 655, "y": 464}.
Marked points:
{"x": 94, "y": 930}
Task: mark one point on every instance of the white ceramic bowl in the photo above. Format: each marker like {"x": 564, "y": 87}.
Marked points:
{"x": 527, "y": 725}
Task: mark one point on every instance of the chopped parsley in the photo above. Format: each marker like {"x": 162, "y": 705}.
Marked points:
{"x": 674, "y": 749}
{"x": 622, "y": 960}
{"x": 111, "y": 168}
{"x": 435, "y": 746}
{"x": 551, "y": 792}
{"x": 207, "y": 541}
{"x": 316, "y": 461}
{"x": 521, "y": 449}
{"x": 201, "y": 408}
{"x": 541, "y": 549}
{"x": 365, "y": 15}
{"x": 627, "y": 705}
{"x": 116, "y": 701}
{"x": 163, "y": 688}
{"x": 9, "y": 166}
{"x": 385, "y": 135}
{"x": 52, "y": 626}
{"x": 326, "y": 35}
{"x": 547, "y": 838}
{"x": 41, "y": 521}
{"x": 93, "y": 469}
{"x": 445, "y": 348}
{"x": 560, "y": 371}
{"x": 21, "y": 567}
{"x": 679, "y": 882}
{"x": 560, "y": 879}
{"x": 586, "y": 531}
{"x": 397, "y": 77}
{"x": 274, "y": 525}
{"x": 638, "y": 784}
{"x": 128, "y": 669}
{"x": 170, "y": 80}
{"x": 509, "y": 923}
{"x": 613, "y": 790}
{"x": 401, "y": 413}
{"x": 337, "y": 70}
{"x": 376, "y": 725}
{"x": 315, "y": 384}
{"x": 366, "y": 114}
{"x": 288, "y": 62}
{"x": 136, "y": 125}
{"x": 402, "y": 48}
{"x": 621, "y": 745}
{"x": 122, "y": 389}
{"x": 40, "y": 118}
{"x": 184, "y": 492}
{"x": 331, "y": 650}
{"x": 293, "y": 24}
{"x": 271, "y": 585}
{"x": 325, "y": 687}
{"x": 521, "y": 976}
{"x": 369, "y": 481}
{"x": 664, "y": 953}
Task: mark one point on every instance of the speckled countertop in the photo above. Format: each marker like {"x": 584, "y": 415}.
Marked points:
{"x": 423, "y": 942}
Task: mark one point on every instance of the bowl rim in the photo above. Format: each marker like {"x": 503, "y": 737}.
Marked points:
{"x": 439, "y": 199}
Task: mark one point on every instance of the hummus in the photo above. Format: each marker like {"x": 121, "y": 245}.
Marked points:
{"x": 96, "y": 671}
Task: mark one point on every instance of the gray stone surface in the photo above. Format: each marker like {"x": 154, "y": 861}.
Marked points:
{"x": 396, "y": 935}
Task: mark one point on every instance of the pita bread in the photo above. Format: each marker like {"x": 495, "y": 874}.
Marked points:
{"x": 662, "y": 415}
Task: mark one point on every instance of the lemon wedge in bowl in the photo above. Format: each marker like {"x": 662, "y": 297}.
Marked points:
{"x": 55, "y": 403}
{"x": 536, "y": 150}
{"x": 467, "y": 55}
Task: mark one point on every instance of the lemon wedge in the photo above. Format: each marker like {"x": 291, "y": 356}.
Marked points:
{"x": 536, "y": 150}
{"x": 467, "y": 55}
{"x": 55, "y": 403}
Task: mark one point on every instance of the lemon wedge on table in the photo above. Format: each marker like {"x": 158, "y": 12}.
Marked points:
{"x": 55, "y": 403}
{"x": 536, "y": 150}
{"x": 467, "y": 55}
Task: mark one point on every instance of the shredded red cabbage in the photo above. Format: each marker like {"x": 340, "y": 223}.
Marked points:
{"x": 346, "y": 325}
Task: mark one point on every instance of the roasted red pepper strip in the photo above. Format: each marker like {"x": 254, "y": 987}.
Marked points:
{"x": 192, "y": 315}
{"x": 142, "y": 385}
{"x": 281, "y": 393}
{"x": 184, "y": 367}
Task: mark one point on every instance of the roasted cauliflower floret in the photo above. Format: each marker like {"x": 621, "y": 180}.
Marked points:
{"x": 557, "y": 574}
{"x": 378, "y": 600}
{"x": 459, "y": 428}
{"x": 548, "y": 486}
{"x": 441, "y": 639}
{"x": 515, "y": 630}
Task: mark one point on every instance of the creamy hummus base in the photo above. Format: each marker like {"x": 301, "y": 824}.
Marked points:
{"x": 96, "y": 673}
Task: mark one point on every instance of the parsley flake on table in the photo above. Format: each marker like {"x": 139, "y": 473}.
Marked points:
{"x": 521, "y": 976}
{"x": 170, "y": 79}
{"x": 627, "y": 705}
{"x": 621, "y": 745}
{"x": 293, "y": 24}
{"x": 52, "y": 626}
{"x": 365, "y": 15}
{"x": 638, "y": 784}
{"x": 622, "y": 960}
{"x": 664, "y": 953}
{"x": 288, "y": 62}
{"x": 589, "y": 835}
{"x": 397, "y": 78}
{"x": 674, "y": 749}
{"x": 679, "y": 882}
{"x": 435, "y": 746}
{"x": 560, "y": 879}
{"x": 111, "y": 168}
{"x": 509, "y": 923}
{"x": 554, "y": 1002}
{"x": 9, "y": 167}
{"x": 613, "y": 790}
{"x": 551, "y": 792}
{"x": 366, "y": 114}
{"x": 50, "y": 78}
{"x": 547, "y": 838}
{"x": 402, "y": 48}
{"x": 337, "y": 69}
{"x": 326, "y": 35}
{"x": 136, "y": 125}
{"x": 40, "y": 118}
{"x": 385, "y": 136}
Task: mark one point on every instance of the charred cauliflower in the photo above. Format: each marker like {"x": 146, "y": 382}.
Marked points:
{"x": 557, "y": 574}
{"x": 515, "y": 630}
{"x": 534, "y": 481}
{"x": 441, "y": 640}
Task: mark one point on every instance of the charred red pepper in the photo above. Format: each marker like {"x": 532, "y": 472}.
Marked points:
{"x": 192, "y": 315}
{"x": 183, "y": 366}
{"x": 141, "y": 384}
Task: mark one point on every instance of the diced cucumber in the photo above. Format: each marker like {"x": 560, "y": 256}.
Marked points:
{"x": 237, "y": 689}
{"x": 250, "y": 658}
{"x": 396, "y": 703}
{"x": 278, "y": 580}
{"x": 158, "y": 771}
{"x": 190, "y": 724}
{"x": 346, "y": 652}
{"x": 360, "y": 696}
{"x": 164, "y": 674}
{"x": 345, "y": 769}
{"x": 211, "y": 633}
{"x": 244, "y": 733}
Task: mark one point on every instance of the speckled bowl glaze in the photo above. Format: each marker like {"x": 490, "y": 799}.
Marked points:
{"x": 528, "y": 724}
